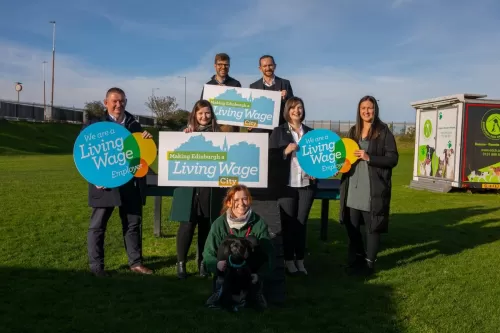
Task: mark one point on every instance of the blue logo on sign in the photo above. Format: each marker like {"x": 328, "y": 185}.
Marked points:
{"x": 321, "y": 153}
{"x": 106, "y": 154}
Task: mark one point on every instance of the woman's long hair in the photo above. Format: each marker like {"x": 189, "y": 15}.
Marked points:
{"x": 202, "y": 103}
{"x": 230, "y": 195}
{"x": 356, "y": 132}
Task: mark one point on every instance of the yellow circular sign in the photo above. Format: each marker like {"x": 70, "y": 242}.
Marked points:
{"x": 148, "y": 153}
{"x": 350, "y": 147}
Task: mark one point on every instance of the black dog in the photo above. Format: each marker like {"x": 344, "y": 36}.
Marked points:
{"x": 240, "y": 255}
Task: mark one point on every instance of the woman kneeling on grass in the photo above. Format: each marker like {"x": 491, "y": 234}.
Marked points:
{"x": 238, "y": 221}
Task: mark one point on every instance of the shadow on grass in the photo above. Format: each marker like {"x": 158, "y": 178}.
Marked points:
{"x": 414, "y": 237}
{"x": 158, "y": 262}
{"x": 46, "y": 300}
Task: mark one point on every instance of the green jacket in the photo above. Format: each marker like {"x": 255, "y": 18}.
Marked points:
{"x": 182, "y": 201}
{"x": 219, "y": 231}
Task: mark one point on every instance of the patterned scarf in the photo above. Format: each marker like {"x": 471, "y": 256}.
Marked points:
{"x": 237, "y": 222}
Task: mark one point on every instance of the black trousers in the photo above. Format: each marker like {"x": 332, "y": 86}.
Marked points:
{"x": 356, "y": 249}
{"x": 185, "y": 235}
{"x": 268, "y": 208}
{"x": 295, "y": 205}
{"x": 131, "y": 218}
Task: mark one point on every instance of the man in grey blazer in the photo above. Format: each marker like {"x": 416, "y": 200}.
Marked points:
{"x": 129, "y": 198}
{"x": 270, "y": 81}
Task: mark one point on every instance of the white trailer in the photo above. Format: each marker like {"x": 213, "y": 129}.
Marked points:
{"x": 457, "y": 143}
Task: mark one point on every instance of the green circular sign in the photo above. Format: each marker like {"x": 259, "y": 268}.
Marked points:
{"x": 427, "y": 128}
{"x": 490, "y": 124}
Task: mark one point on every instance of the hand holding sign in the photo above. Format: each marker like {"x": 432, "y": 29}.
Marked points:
{"x": 107, "y": 155}
{"x": 291, "y": 148}
{"x": 322, "y": 153}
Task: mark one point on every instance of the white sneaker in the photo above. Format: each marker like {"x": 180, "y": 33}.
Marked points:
{"x": 300, "y": 266}
{"x": 290, "y": 267}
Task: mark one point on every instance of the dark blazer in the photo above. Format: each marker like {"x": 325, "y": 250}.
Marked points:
{"x": 275, "y": 180}
{"x": 280, "y": 138}
{"x": 131, "y": 193}
{"x": 280, "y": 84}
{"x": 384, "y": 157}
{"x": 230, "y": 82}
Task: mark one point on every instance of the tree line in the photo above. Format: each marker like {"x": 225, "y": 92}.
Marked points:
{"x": 164, "y": 108}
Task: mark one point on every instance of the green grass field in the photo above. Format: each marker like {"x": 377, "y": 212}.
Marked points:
{"x": 438, "y": 270}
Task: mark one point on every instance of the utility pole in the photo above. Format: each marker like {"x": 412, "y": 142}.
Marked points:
{"x": 53, "y": 60}
{"x": 185, "y": 80}
{"x": 18, "y": 87}
{"x": 44, "y": 95}
{"x": 153, "y": 100}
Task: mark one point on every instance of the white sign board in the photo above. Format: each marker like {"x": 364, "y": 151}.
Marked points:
{"x": 244, "y": 107}
{"x": 213, "y": 159}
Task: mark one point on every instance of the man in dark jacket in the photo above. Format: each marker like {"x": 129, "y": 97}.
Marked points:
{"x": 130, "y": 198}
{"x": 222, "y": 78}
{"x": 269, "y": 81}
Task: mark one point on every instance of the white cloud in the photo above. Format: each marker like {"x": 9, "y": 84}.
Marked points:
{"x": 329, "y": 93}
{"x": 398, "y": 3}
{"x": 267, "y": 16}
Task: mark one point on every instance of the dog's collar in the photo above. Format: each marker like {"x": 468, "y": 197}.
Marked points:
{"x": 235, "y": 265}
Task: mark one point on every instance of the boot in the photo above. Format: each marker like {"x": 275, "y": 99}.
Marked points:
{"x": 369, "y": 268}
{"x": 203, "y": 270}
{"x": 257, "y": 296}
{"x": 181, "y": 270}
{"x": 213, "y": 300}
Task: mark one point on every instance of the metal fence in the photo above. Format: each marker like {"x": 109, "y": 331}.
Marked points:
{"x": 338, "y": 126}
{"x": 38, "y": 113}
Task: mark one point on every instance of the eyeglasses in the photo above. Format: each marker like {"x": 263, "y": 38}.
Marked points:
{"x": 222, "y": 65}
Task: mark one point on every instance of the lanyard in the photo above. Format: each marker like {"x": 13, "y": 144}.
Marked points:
{"x": 246, "y": 235}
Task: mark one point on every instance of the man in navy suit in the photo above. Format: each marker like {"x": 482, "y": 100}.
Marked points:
{"x": 129, "y": 198}
{"x": 270, "y": 81}
{"x": 265, "y": 200}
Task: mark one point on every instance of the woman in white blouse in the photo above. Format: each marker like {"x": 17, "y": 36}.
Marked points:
{"x": 297, "y": 197}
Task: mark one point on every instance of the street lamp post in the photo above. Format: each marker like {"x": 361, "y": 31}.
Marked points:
{"x": 44, "y": 95}
{"x": 18, "y": 87}
{"x": 53, "y": 59}
{"x": 185, "y": 80}
{"x": 153, "y": 91}
{"x": 153, "y": 99}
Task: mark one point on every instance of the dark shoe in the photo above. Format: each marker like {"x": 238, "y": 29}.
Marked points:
{"x": 365, "y": 269}
{"x": 369, "y": 268}
{"x": 181, "y": 270}
{"x": 101, "y": 273}
{"x": 356, "y": 266}
{"x": 141, "y": 269}
{"x": 258, "y": 301}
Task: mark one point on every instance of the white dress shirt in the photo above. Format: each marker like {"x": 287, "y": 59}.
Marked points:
{"x": 298, "y": 178}
{"x": 116, "y": 120}
{"x": 273, "y": 81}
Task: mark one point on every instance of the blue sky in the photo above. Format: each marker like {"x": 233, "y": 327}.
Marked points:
{"x": 333, "y": 51}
